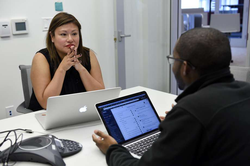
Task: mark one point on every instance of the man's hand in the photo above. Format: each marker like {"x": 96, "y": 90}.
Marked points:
{"x": 166, "y": 112}
{"x": 103, "y": 141}
{"x": 163, "y": 117}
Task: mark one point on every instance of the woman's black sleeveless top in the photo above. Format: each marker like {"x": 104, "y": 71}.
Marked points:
{"x": 72, "y": 81}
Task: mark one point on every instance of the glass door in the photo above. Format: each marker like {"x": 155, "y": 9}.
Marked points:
{"x": 142, "y": 43}
{"x": 197, "y": 13}
{"x": 238, "y": 39}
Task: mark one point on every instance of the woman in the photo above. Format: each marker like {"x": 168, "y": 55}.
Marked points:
{"x": 65, "y": 66}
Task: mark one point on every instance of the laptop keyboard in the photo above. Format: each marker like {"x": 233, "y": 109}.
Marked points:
{"x": 143, "y": 145}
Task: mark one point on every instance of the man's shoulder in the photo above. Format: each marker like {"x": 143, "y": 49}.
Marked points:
{"x": 206, "y": 102}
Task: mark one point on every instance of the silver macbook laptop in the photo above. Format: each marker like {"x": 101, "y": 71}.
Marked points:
{"x": 131, "y": 120}
{"x": 74, "y": 108}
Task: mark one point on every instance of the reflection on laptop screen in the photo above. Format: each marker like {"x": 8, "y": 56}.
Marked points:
{"x": 129, "y": 117}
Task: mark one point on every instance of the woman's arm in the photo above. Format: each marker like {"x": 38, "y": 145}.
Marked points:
{"x": 92, "y": 80}
{"x": 42, "y": 84}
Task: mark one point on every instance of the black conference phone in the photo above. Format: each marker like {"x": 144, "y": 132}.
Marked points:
{"x": 43, "y": 149}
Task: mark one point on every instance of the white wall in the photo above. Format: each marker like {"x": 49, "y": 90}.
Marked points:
{"x": 96, "y": 18}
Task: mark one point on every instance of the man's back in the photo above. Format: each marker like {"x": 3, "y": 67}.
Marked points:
{"x": 223, "y": 111}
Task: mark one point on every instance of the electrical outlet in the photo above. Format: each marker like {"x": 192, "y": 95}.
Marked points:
{"x": 9, "y": 111}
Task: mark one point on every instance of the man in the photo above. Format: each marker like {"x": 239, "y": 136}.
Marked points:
{"x": 210, "y": 124}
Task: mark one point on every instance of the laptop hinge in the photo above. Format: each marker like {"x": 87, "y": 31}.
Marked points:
{"x": 141, "y": 137}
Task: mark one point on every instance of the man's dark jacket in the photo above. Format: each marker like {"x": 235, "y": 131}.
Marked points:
{"x": 209, "y": 126}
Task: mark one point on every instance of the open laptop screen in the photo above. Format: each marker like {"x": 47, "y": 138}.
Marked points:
{"x": 129, "y": 117}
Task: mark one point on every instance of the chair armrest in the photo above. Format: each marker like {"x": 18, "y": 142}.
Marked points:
{"x": 21, "y": 109}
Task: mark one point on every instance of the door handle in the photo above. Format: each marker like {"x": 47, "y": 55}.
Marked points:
{"x": 125, "y": 35}
{"x": 120, "y": 36}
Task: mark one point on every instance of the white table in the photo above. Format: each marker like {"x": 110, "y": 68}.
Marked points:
{"x": 82, "y": 133}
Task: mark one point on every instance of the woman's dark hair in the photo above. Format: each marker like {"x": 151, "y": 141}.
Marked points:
{"x": 206, "y": 48}
{"x": 59, "y": 20}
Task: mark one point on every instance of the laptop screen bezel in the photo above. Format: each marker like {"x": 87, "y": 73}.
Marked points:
{"x": 122, "y": 98}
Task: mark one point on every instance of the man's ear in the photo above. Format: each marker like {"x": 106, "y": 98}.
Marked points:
{"x": 186, "y": 68}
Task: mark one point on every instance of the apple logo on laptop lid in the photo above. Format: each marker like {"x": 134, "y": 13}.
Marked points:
{"x": 83, "y": 109}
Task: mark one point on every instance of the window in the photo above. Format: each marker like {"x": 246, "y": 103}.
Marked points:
{"x": 225, "y": 5}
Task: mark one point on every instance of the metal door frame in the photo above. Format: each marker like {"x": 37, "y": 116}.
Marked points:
{"x": 120, "y": 45}
{"x": 176, "y": 21}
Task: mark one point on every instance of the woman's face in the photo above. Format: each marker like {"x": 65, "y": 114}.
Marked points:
{"x": 66, "y": 37}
